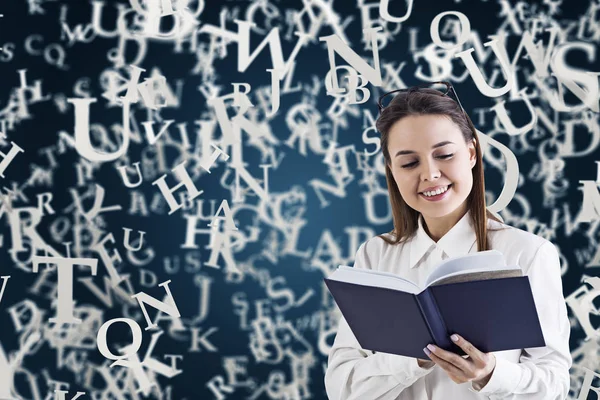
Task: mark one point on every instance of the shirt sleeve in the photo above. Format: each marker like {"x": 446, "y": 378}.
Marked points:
{"x": 542, "y": 372}
{"x": 355, "y": 373}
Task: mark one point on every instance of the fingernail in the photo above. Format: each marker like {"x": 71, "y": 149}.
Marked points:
{"x": 431, "y": 347}
{"x": 426, "y": 350}
{"x": 454, "y": 337}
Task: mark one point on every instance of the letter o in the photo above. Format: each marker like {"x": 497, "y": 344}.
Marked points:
{"x": 465, "y": 29}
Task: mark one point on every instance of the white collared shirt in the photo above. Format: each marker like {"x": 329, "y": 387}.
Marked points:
{"x": 532, "y": 373}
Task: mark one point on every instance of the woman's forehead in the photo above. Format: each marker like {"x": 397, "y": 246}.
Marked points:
{"x": 423, "y": 129}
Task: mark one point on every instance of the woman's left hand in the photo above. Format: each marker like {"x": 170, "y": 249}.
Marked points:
{"x": 477, "y": 367}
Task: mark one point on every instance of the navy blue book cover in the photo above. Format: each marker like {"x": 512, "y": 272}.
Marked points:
{"x": 493, "y": 314}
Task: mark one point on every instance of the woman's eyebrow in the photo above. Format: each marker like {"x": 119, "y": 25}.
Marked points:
{"x": 440, "y": 144}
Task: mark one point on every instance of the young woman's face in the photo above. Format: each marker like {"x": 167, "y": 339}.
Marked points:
{"x": 429, "y": 151}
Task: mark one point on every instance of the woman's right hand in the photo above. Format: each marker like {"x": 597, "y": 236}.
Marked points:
{"x": 425, "y": 363}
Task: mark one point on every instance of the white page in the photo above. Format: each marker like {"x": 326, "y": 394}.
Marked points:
{"x": 482, "y": 261}
{"x": 373, "y": 278}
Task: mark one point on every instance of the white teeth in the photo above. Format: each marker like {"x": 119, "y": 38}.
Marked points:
{"x": 435, "y": 192}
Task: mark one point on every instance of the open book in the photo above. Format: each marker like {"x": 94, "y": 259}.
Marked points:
{"x": 477, "y": 296}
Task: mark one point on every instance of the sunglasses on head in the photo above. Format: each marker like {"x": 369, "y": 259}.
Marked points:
{"x": 443, "y": 87}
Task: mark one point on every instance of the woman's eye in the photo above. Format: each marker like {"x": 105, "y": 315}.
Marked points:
{"x": 443, "y": 157}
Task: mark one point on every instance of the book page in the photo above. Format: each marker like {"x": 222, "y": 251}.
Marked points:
{"x": 482, "y": 261}
{"x": 478, "y": 276}
{"x": 370, "y": 277}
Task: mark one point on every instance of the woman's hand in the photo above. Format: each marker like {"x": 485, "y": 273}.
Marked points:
{"x": 477, "y": 367}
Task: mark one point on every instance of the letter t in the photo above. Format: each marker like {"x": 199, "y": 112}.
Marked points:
{"x": 64, "y": 307}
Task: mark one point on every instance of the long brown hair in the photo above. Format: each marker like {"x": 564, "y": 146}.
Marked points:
{"x": 426, "y": 101}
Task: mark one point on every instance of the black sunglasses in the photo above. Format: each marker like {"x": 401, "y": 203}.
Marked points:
{"x": 446, "y": 88}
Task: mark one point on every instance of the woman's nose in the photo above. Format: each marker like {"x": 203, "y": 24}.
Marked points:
{"x": 430, "y": 171}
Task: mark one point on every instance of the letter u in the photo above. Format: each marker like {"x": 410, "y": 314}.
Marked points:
{"x": 83, "y": 144}
{"x": 477, "y": 76}
{"x": 126, "y": 181}
{"x": 511, "y": 129}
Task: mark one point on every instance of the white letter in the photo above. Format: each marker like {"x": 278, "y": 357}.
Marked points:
{"x": 170, "y": 309}
{"x": 136, "y": 332}
{"x": 186, "y": 180}
{"x": 64, "y": 308}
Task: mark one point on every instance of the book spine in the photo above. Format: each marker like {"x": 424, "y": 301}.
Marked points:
{"x": 434, "y": 320}
{"x": 424, "y": 314}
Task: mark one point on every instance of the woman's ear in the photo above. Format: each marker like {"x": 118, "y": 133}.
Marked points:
{"x": 472, "y": 153}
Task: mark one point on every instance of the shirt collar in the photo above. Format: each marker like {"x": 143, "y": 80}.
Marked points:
{"x": 456, "y": 242}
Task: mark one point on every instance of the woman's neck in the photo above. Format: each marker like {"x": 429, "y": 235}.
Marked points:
{"x": 436, "y": 228}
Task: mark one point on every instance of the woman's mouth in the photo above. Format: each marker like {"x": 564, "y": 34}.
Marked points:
{"x": 436, "y": 195}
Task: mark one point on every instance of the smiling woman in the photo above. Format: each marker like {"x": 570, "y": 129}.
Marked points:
{"x": 435, "y": 149}
{"x": 435, "y": 179}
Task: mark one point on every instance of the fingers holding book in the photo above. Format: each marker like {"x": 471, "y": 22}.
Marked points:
{"x": 477, "y": 367}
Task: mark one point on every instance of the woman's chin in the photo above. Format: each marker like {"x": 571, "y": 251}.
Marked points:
{"x": 437, "y": 210}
